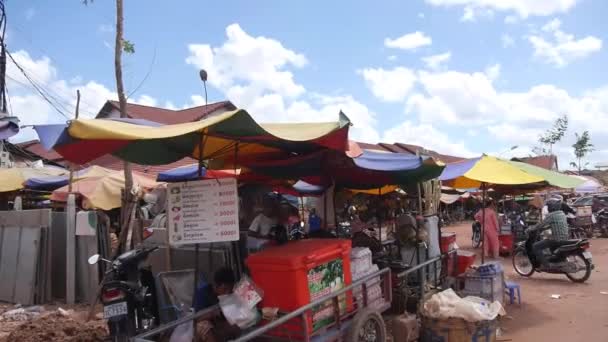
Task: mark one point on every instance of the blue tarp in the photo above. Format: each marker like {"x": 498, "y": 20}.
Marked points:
{"x": 380, "y": 161}
{"x": 308, "y": 189}
{"x": 181, "y": 174}
{"x": 46, "y": 183}
{"x": 458, "y": 169}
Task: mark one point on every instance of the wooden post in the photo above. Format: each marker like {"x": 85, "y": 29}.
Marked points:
{"x": 201, "y": 146}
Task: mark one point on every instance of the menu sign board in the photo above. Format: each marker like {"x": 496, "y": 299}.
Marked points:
{"x": 203, "y": 211}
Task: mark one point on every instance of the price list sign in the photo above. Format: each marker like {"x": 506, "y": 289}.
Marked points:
{"x": 203, "y": 211}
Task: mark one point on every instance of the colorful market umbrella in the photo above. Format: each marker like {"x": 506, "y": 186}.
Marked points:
{"x": 191, "y": 172}
{"x": 103, "y": 192}
{"x": 553, "y": 178}
{"x": 49, "y": 183}
{"x": 227, "y": 136}
{"x": 473, "y": 173}
{"x": 370, "y": 170}
{"x": 13, "y": 178}
{"x": 479, "y": 172}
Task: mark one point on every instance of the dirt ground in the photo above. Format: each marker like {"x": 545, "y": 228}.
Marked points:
{"x": 581, "y": 314}
{"x": 50, "y": 323}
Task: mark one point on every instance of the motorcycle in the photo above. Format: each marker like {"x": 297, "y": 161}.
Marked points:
{"x": 518, "y": 226}
{"x": 602, "y": 222}
{"x": 476, "y": 237}
{"x": 570, "y": 257}
{"x": 576, "y": 232}
{"x": 128, "y": 294}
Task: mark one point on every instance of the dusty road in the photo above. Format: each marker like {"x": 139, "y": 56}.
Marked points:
{"x": 581, "y": 314}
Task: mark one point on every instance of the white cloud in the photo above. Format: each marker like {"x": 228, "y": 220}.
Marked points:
{"x": 472, "y": 100}
{"x": 562, "y": 48}
{"x": 260, "y": 62}
{"x": 472, "y": 13}
{"x": 493, "y": 71}
{"x": 389, "y": 85}
{"x": 32, "y": 108}
{"x": 427, "y": 136}
{"x": 145, "y": 100}
{"x": 255, "y": 73}
{"x": 507, "y": 40}
{"x": 523, "y": 8}
{"x": 410, "y": 41}
{"x": 435, "y": 62}
{"x": 392, "y": 58}
{"x": 420, "y": 15}
{"x": 511, "y": 19}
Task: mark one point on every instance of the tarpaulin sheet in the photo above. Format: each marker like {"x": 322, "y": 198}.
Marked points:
{"x": 13, "y": 178}
{"x": 191, "y": 172}
{"x": 221, "y": 137}
{"x": 52, "y": 182}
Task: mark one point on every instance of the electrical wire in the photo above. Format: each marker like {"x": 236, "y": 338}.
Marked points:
{"x": 37, "y": 88}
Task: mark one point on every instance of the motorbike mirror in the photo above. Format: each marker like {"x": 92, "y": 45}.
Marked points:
{"x": 94, "y": 259}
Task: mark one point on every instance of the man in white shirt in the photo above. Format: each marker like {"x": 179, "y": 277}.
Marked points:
{"x": 259, "y": 230}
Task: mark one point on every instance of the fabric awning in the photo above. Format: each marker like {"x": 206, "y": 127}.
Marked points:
{"x": 229, "y": 135}
{"x": 551, "y": 177}
{"x": 14, "y": 178}
{"x": 486, "y": 169}
{"x": 191, "y": 172}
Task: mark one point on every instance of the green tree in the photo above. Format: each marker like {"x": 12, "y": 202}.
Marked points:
{"x": 553, "y": 135}
{"x": 582, "y": 147}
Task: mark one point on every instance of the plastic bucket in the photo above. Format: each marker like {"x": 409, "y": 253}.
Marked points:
{"x": 457, "y": 330}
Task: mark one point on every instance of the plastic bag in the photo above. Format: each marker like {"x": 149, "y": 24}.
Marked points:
{"x": 183, "y": 333}
{"x": 248, "y": 292}
{"x": 238, "y": 312}
{"x": 448, "y": 304}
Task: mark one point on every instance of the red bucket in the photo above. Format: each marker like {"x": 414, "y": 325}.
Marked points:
{"x": 465, "y": 260}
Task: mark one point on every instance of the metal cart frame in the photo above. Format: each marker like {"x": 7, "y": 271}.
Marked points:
{"x": 340, "y": 326}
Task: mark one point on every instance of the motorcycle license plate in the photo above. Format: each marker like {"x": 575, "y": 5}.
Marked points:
{"x": 115, "y": 310}
{"x": 587, "y": 255}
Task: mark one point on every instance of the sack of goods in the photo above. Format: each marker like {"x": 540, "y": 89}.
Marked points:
{"x": 362, "y": 266}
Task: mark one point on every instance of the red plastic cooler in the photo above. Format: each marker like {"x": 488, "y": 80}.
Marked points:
{"x": 299, "y": 272}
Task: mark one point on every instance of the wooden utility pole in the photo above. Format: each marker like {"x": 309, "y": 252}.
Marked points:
{"x": 122, "y": 99}
{"x": 126, "y": 217}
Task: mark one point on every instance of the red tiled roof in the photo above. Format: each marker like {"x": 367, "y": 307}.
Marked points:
{"x": 166, "y": 116}
{"x": 548, "y": 162}
{"x": 34, "y": 147}
{"x": 411, "y": 149}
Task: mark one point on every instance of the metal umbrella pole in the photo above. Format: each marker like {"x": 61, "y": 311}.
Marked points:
{"x": 483, "y": 221}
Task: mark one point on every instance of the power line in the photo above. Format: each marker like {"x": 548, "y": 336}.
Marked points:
{"x": 37, "y": 88}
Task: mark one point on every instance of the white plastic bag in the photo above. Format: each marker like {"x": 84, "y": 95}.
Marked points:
{"x": 448, "y": 304}
{"x": 183, "y": 333}
{"x": 238, "y": 312}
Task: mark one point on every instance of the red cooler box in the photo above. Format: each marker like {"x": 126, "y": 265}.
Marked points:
{"x": 299, "y": 272}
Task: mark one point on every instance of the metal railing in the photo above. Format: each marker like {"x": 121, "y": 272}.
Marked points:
{"x": 333, "y": 297}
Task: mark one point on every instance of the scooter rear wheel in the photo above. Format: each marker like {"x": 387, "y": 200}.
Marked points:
{"x": 582, "y": 275}
{"x": 522, "y": 264}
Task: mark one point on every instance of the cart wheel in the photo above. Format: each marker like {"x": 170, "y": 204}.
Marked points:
{"x": 367, "y": 326}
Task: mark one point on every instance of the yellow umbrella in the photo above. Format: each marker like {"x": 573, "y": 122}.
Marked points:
{"x": 13, "y": 178}
{"x": 387, "y": 189}
{"x": 473, "y": 173}
{"x": 103, "y": 192}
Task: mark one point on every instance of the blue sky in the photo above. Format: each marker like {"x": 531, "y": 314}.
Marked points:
{"x": 459, "y": 76}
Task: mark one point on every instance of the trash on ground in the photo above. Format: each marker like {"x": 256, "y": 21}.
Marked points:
{"x": 447, "y": 304}
{"x": 556, "y": 296}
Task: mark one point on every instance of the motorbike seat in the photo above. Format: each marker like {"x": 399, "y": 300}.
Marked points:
{"x": 567, "y": 242}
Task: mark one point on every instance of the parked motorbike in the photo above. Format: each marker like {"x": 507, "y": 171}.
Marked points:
{"x": 518, "y": 226}
{"x": 128, "y": 294}
{"x": 576, "y": 232}
{"x": 602, "y": 222}
{"x": 570, "y": 257}
{"x": 476, "y": 237}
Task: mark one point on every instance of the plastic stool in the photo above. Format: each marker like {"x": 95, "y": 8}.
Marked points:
{"x": 512, "y": 287}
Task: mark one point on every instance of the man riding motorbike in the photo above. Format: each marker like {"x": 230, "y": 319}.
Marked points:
{"x": 557, "y": 223}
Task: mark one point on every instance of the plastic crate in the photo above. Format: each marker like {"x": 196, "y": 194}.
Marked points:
{"x": 487, "y": 287}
